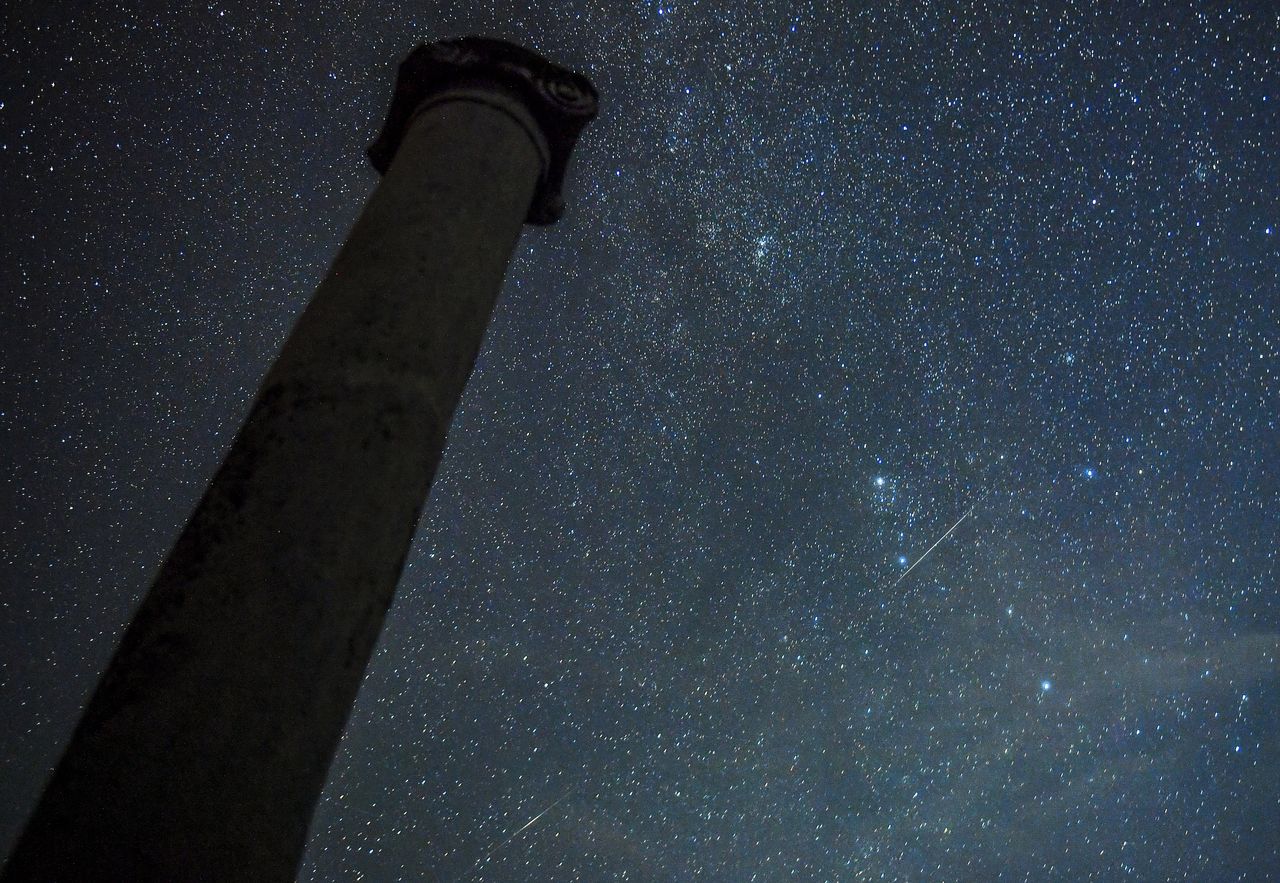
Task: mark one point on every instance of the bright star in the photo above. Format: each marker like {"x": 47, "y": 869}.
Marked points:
{"x": 1046, "y": 685}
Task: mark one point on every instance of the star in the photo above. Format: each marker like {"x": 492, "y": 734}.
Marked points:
{"x": 826, "y": 279}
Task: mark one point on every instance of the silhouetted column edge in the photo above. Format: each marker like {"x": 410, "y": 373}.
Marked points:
{"x": 208, "y": 740}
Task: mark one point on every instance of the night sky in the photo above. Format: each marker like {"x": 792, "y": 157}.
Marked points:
{"x": 829, "y": 282}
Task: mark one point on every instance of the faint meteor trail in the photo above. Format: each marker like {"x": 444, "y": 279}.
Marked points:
{"x": 525, "y": 827}
{"x": 950, "y": 530}
{"x": 493, "y": 850}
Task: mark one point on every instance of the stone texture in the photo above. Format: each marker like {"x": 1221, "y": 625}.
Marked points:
{"x": 207, "y": 743}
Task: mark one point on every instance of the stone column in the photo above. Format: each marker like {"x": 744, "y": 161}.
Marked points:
{"x": 205, "y": 747}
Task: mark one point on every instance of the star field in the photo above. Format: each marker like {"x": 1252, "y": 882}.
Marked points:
{"x": 829, "y": 279}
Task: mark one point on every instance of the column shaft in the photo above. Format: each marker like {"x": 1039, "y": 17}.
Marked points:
{"x": 207, "y": 743}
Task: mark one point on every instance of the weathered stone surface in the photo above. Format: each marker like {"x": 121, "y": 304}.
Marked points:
{"x": 207, "y": 743}
{"x": 560, "y": 102}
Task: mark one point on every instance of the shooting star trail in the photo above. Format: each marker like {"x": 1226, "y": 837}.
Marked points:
{"x": 950, "y": 531}
{"x": 525, "y": 827}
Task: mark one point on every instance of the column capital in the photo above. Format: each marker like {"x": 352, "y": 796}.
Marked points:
{"x": 560, "y": 102}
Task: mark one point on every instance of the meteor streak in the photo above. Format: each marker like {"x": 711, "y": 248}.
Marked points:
{"x": 525, "y": 827}
{"x": 950, "y": 530}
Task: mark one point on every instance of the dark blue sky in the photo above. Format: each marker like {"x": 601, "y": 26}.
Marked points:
{"x": 828, "y": 280}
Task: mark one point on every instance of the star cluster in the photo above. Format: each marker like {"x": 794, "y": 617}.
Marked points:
{"x": 831, "y": 276}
